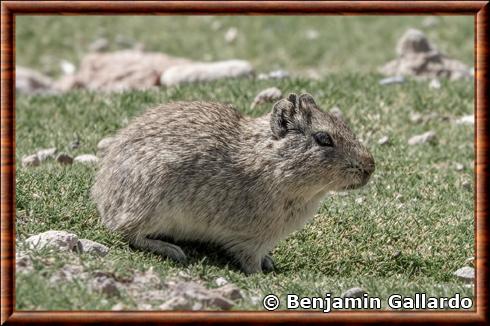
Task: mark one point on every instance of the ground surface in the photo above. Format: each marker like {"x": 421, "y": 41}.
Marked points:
{"x": 407, "y": 231}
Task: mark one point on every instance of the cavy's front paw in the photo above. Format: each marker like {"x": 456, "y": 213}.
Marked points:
{"x": 268, "y": 264}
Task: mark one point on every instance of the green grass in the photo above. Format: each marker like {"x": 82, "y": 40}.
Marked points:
{"x": 413, "y": 229}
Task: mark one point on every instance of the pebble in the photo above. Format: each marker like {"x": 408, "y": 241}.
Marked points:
{"x": 86, "y": 159}
{"x": 67, "y": 67}
{"x": 466, "y": 184}
{"x": 30, "y": 161}
{"x": 312, "y": 34}
{"x": 459, "y": 167}
{"x": 220, "y": 281}
{"x": 58, "y": 240}
{"x": 359, "y": 200}
{"x": 355, "y": 292}
{"x": 92, "y": 247}
{"x": 392, "y": 80}
{"x": 466, "y": 274}
{"x": 44, "y": 154}
{"x": 466, "y": 120}
{"x": 435, "y": 84}
{"x": 118, "y": 307}
{"x": 336, "y": 112}
{"x": 268, "y": 95}
{"x": 103, "y": 145}
{"x": 383, "y": 140}
{"x": 231, "y": 35}
{"x": 99, "y": 45}
{"x": 428, "y": 137}
{"x": 64, "y": 159}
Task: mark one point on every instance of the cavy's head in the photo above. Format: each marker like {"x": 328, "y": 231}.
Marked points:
{"x": 318, "y": 148}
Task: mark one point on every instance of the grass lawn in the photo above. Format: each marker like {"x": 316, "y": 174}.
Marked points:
{"x": 407, "y": 231}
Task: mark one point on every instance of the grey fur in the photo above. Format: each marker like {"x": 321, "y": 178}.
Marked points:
{"x": 202, "y": 171}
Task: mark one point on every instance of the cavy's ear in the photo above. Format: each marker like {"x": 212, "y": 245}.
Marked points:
{"x": 290, "y": 114}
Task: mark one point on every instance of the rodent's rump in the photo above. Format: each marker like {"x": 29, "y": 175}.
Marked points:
{"x": 202, "y": 171}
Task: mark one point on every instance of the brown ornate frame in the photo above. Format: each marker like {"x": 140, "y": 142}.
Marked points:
{"x": 9, "y": 9}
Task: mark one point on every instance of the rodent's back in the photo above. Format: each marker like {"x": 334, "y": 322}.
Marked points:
{"x": 167, "y": 152}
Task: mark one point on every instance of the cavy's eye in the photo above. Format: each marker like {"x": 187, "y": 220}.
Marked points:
{"x": 323, "y": 139}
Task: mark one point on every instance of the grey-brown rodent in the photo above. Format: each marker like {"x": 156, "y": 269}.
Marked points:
{"x": 202, "y": 171}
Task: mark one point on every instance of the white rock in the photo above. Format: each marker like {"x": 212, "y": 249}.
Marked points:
{"x": 118, "y": 307}
{"x": 31, "y": 160}
{"x": 64, "y": 159}
{"x": 86, "y": 159}
{"x": 392, "y": 80}
{"x": 58, "y": 240}
{"x": 202, "y": 72}
{"x": 359, "y": 200}
{"x": 268, "y": 95}
{"x": 466, "y": 184}
{"x": 100, "y": 44}
{"x": 466, "y": 274}
{"x": 220, "y": 281}
{"x": 383, "y": 140}
{"x": 44, "y": 154}
{"x": 428, "y": 137}
{"x": 337, "y": 112}
{"x": 104, "y": 144}
{"x": 312, "y": 34}
{"x": 355, "y": 292}
{"x": 459, "y": 167}
{"x": 416, "y": 117}
{"x": 92, "y": 247}
{"x": 231, "y": 35}
{"x": 67, "y": 67}
{"x": 435, "y": 84}
{"x": 466, "y": 120}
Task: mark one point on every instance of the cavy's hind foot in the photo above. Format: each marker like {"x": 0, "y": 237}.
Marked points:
{"x": 268, "y": 264}
{"x": 163, "y": 248}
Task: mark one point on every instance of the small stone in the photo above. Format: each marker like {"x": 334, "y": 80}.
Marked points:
{"x": 118, "y": 307}
{"x": 428, "y": 137}
{"x": 92, "y": 247}
{"x": 459, "y": 167}
{"x": 64, "y": 159}
{"x": 312, "y": 34}
{"x": 268, "y": 95}
{"x": 392, "y": 80}
{"x": 416, "y": 117}
{"x": 466, "y": 184}
{"x": 336, "y": 112}
{"x": 44, "y": 154}
{"x": 220, "y": 281}
{"x": 67, "y": 67}
{"x": 383, "y": 140}
{"x": 105, "y": 285}
{"x": 359, "y": 200}
{"x": 99, "y": 45}
{"x": 355, "y": 292}
{"x": 466, "y": 274}
{"x": 435, "y": 84}
{"x": 145, "y": 306}
{"x": 86, "y": 159}
{"x": 59, "y": 240}
{"x": 231, "y": 35}
{"x": 104, "y": 144}
{"x": 466, "y": 120}
{"x": 30, "y": 161}
{"x": 230, "y": 291}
